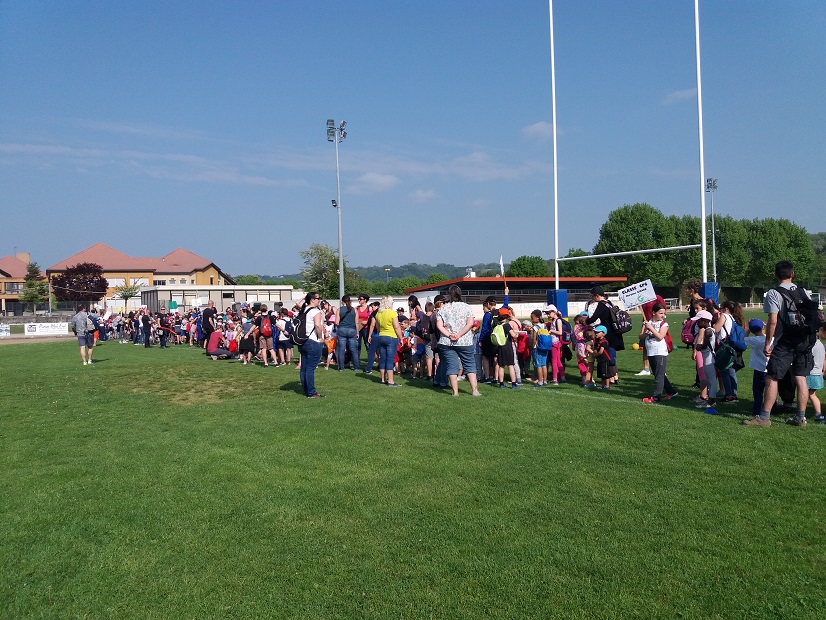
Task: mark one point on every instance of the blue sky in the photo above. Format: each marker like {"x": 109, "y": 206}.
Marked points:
{"x": 155, "y": 125}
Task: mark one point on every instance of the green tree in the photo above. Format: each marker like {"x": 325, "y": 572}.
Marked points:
{"x": 35, "y": 287}
{"x": 435, "y": 278}
{"x": 528, "y": 267}
{"x": 127, "y": 292}
{"x": 687, "y": 264}
{"x": 248, "y": 280}
{"x": 771, "y": 240}
{"x": 397, "y": 286}
{"x": 586, "y": 268}
{"x": 637, "y": 227}
{"x": 81, "y": 282}
{"x": 733, "y": 254}
{"x": 320, "y": 272}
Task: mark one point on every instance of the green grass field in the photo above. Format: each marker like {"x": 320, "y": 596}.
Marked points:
{"x": 160, "y": 484}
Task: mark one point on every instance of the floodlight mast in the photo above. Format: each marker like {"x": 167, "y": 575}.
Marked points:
{"x": 336, "y": 135}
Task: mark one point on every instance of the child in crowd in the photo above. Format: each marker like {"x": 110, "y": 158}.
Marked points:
{"x": 756, "y": 342}
{"x": 653, "y": 334}
{"x": 523, "y": 350}
{"x": 580, "y": 345}
{"x": 540, "y": 347}
{"x": 590, "y": 358}
{"x": 602, "y": 356}
{"x": 704, "y": 346}
{"x": 815, "y": 379}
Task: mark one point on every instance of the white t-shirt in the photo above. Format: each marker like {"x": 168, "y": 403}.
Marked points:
{"x": 311, "y": 323}
{"x": 652, "y": 345}
{"x": 818, "y": 353}
{"x": 757, "y": 359}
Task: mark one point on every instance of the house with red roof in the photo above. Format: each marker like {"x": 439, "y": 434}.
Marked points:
{"x": 179, "y": 267}
{"x": 13, "y": 271}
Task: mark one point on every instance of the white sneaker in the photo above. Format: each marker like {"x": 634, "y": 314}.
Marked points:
{"x": 643, "y": 372}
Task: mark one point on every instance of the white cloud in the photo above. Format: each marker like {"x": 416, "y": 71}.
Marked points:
{"x": 422, "y": 195}
{"x": 373, "y": 182}
{"x": 679, "y": 96}
{"x": 542, "y": 130}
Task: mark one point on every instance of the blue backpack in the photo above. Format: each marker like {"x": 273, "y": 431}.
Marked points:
{"x": 737, "y": 337}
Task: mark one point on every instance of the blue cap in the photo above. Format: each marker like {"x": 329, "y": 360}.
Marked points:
{"x": 601, "y": 328}
{"x": 755, "y": 325}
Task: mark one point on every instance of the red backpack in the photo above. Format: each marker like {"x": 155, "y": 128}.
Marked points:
{"x": 266, "y": 327}
{"x": 687, "y": 333}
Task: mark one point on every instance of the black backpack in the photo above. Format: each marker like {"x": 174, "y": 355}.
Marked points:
{"x": 620, "y": 319}
{"x": 299, "y": 334}
{"x": 800, "y": 315}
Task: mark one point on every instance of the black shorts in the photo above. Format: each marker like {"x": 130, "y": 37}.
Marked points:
{"x": 506, "y": 355}
{"x": 489, "y": 350}
{"x": 787, "y": 355}
{"x": 602, "y": 368}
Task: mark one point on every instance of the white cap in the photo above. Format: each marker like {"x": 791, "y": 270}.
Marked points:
{"x": 551, "y": 308}
{"x": 703, "y": 314}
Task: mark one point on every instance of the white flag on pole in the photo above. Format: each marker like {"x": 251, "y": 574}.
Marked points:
{"x": 501, "y": 266}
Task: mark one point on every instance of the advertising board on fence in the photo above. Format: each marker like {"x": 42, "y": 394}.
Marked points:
{"x": 637, "y": 294}
{"x": 46, "y": 329}
{"x": 5, "y": 330}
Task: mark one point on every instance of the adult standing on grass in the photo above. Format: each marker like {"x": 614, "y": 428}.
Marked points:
{"x": 363, "y": 313}
{"x": 601, "y": 315}
{"x": 455, "y": 322}
{"x": 146, "y": 321}
{"x": 346, "y": 334}
{"x": 786, "y": 346}
{"x": 311, "y": 349}
{"x": 83, "y": 329}
{"x": 389, "y": 335}
{"x": 208, "y": 317}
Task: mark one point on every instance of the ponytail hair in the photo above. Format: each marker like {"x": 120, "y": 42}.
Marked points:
{"x": 307, "y": 299}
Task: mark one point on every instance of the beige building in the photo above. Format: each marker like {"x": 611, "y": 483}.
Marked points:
{"x": 178, "y": 268}
{"x": 12, "y": 276}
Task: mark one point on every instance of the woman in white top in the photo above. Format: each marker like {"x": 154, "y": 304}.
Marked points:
{"x": 311, "y": 349}
{"x": 455, "y": 322}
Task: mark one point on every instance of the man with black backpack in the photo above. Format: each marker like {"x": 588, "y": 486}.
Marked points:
{"x": 790, "y": 333}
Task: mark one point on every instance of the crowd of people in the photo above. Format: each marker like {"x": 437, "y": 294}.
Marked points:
{"x": 442, "y": 343}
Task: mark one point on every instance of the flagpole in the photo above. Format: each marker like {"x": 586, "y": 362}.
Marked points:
{"x": 703, "y": 234}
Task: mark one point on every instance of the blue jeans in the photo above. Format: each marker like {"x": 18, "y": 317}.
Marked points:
{"x": 310, "y": 357}
{"x": 347, "y": 337}
{"x": 758, "y": 385}
{"x": 387, "y": 352}
{"x": 371, "y": 352}
{"x": 451, "y": 356}
{"x": 729, "y": 378}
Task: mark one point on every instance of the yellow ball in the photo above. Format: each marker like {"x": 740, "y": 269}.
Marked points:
{"x": 635, "y": 346}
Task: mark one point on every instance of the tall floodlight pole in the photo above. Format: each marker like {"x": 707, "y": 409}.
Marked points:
{"x": 711, "y": 187}
{"x": 703, "y": 239}
{"x": 553, "y": 113}
{"x": 336, "y": 134}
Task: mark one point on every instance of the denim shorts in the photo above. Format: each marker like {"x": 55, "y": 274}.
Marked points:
{"x": 540, "y": 358}
{"x": 452, "y": 355}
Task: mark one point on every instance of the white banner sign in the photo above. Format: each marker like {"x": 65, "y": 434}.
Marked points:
{"x": 46, "y": 329}
{"x": 5, "y": 330}
{"x": 637, "y": 294}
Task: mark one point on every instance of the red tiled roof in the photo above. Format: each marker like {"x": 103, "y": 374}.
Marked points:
{"x": 179, "y": 261}
{"x": 108, "y": 258}
{"x": 13, "y": 267}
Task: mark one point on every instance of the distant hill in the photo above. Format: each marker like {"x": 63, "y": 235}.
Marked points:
{"x": 417, "y": 270}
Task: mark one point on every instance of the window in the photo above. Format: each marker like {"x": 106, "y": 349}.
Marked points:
{"x": 172, "y": 280}
{"x": 160, "y": 282}
{"x": 211, "y": 280}
{"x": 14, "y": 288}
